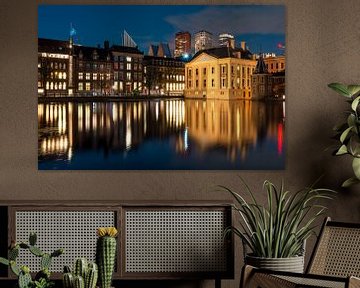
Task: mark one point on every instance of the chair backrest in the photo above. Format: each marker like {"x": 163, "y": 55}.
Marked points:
{"x": 337, "y": 251}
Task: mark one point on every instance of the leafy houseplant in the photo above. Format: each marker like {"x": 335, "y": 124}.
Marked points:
{"x": 349, "y": 132}
{"x": 42, "y": 278}
{"x": 279, "y": 229}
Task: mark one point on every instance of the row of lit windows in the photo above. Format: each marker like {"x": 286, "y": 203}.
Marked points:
{"x": 53, "y": 85}
{"x": 282, "y": 66}
{"x": 95, "y": 76}
{"x": 223, "y": 83}
{"x": 119, "y": 85}
{"x": 58, "y": 75}
{"x": 176, "y": 77}
{"x": 53, "y": 65}
{"x": 175, "y": 86}
{"x": 128, "y": 66}
{"x": 223, "y": 70}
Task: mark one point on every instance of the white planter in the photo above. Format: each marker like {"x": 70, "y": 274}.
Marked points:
{"x": 291, "y": 264}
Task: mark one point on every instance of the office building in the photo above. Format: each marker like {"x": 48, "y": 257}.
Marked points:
{"x": 182, "y": 44}
{"x": 203, "y": 40}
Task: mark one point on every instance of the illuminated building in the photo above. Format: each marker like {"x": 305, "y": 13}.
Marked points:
{"x": 161, "y": 50}
{"x": 53, "y": 67}
{"x": 128, "y": 69}
{"x": 220, "y": 73}
{"x": 275, "y": 64}
{"x": 182, "y": 44}
{"x": 261, "y": 81}
{"x": 203, "y": 40}
{"x": 94, "y": 72}
{"x": 67, "y": 69}
{"x": 226, "y": 40}
{"x": 163, "y": 76}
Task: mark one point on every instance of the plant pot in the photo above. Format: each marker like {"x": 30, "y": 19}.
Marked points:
{"x": 291, "y": 264}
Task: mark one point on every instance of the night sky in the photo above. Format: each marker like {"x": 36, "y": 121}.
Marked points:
{"x": 261, "y": 26}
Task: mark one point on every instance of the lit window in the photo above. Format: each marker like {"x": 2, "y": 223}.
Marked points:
{"x": 39, "y": 65}
{"x": 128, "y": 59}
{"x": 128, "y": 76}
{"x": 39, "y": 83}
{"x": 128, "y": 66}
{"x": 64, "y": 85}
{"x": 51, "y": 86}
{"x": 87, "y": 86}
{"x": 108, "y": 76}
{"x": 60, "y": 86}
{"x": 94, "y": 76}
{"x": 87, "y": 76}
{"x": 60, "y": 75}
{"x": 80, "y": 76}
{"x": 80, "y": 86}
{"x": 101, "y": 76}
{"x": 47, "y": 85}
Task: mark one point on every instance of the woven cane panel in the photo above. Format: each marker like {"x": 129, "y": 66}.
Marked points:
{"x": 175, "y": 241}
{"x": 338, "y": 253}
{"x": 308, "y": 282}
{"x": 74, "y": 231}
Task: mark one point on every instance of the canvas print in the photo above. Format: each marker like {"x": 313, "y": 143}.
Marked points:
{"x": 180, "y": 87}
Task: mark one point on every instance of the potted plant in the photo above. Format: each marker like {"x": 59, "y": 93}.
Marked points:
{"x": 276, "y": 233}
{"x": 348, "y": 133}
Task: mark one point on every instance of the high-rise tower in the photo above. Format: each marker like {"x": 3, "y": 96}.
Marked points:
{"x": 203, "y": 40}
{"x": 182, "y": 44}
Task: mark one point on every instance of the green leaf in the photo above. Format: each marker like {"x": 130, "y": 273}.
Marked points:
{"x": 4, "y": 261}
{"x": 342, "y": 150}
{"x": 351, "y": 120}
{"x": 340, "y": 88}
{"x": 355, "y": 103}
{"x": 345, "y": 134}
{"x": 349, "y": 182}
{"x": 353, "y": 89}
{"x": 356, "y": 167}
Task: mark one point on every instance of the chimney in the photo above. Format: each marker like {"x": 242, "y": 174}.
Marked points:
{"x": 106, "y": 44}
{"x": 243, "y": 45}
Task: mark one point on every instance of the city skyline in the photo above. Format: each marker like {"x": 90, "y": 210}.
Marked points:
{"x": 261, "y": 26}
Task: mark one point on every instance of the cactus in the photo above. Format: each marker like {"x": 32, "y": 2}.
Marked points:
{"x": 79, "y": 282}
{"x": 45, "y": 261}
{"x": 42, "y": 278}
{"x": 87, "y": 272}
{"x": 91, "y": 276}
{"x": 24, "y": 280}
{"x": 105, "y": 254}
{"x": 80, "y": 268}
{"x": 68, "y": 280}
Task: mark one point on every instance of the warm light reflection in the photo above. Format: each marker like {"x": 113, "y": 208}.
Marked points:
{"x": 233, "y": 126}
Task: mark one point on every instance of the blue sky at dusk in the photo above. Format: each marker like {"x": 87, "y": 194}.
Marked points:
{"x": 261, "y": 26}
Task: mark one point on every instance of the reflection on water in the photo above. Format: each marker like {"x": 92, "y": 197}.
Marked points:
{"x": 162, "y": 134}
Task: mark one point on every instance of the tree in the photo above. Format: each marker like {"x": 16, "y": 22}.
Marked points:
{"x": 153, "y": 77}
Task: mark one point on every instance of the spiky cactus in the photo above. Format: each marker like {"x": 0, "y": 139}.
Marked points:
{"x": 91, "y": 276}
{"x": 81, "y": 266}
{"x": 42, "y": 278}
{"x": 79, "y": 282}
{"x": 106, "y": 254}
{"x": 84, "y": 274}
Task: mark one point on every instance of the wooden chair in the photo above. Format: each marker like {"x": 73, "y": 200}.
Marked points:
{"x": 334, "y": 263}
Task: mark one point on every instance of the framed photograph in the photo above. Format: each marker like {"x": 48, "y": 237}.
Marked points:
{"x": 161, "y": 87}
